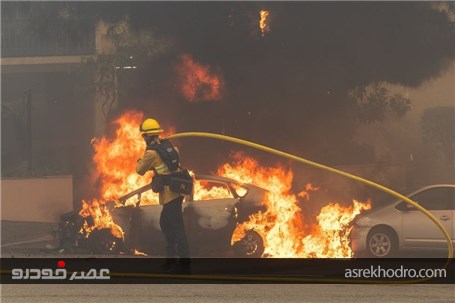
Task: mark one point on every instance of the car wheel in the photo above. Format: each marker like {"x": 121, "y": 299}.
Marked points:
{"x": 382, "y": 243}
{"x": 250, "y": 246}
{"x": 102, "y": 241}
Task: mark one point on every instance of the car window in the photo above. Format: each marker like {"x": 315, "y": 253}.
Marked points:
{"x": 433, "y": 198}
{"x": 209, "y": 190}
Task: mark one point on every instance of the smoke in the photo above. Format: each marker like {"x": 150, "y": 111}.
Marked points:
{"x": 288, "y": 89}
{"x": 402, "y": 140}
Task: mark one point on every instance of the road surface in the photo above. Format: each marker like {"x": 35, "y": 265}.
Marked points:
{"x": 227, "y": 293}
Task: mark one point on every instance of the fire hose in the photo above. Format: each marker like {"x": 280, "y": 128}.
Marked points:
{"x": 326, "y": 168}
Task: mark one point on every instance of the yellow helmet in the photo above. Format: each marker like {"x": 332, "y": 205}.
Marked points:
{"x": 150, "y": 126}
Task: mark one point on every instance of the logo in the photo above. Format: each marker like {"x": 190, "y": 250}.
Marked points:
{"x": 59, "y": 274}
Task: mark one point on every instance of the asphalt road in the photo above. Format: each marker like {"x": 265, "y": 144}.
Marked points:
{"x": 227, "y": 293}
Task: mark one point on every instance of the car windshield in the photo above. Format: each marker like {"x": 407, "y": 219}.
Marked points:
{"x": 209, "y": 190}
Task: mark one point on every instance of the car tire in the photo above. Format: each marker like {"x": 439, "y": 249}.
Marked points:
{"x": 250, "y": 246}
{"x": 102, "y": 241}
{"x": 382, "y": 242}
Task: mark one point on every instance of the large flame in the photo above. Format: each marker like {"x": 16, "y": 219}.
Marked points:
{"x": 115, "y": 159}
{"x": 101, "y": 217}
{"x": 115, "y": 166}
{"x": 281, "y": 225}
{"x": 330, "y": 238}
{"x": 202, "y": 191}
{"x": 198, "y": 82}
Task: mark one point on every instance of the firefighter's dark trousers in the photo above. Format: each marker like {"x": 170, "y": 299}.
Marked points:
{"x": 171, "y": 223}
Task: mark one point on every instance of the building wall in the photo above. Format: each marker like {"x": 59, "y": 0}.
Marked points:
{"x": 36, "y": 199}
{"x": 65, "y": 110}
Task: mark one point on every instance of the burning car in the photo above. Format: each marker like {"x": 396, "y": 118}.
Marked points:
{"x": 401, "y": 227}
{"x": 211, "y": 215}
{"x": 223, "y": 213}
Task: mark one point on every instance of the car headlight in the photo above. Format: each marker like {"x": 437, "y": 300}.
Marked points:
{"x": 363, "y": 222}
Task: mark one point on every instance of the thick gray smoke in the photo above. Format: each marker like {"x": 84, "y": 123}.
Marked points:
{"x": 288, "y": 89}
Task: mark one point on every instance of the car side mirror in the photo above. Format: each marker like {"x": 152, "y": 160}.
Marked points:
{"x": 404, "y": 206}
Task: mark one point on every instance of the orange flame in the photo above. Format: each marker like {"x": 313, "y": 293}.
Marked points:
{"x": 305, "y": 193}
{"x": 330, "y": 238}
{"x": 263, "y": 24}
{"x": 115, "y": 160}
{"x": 281, "y": 225}
{"x": 201, "y": 192}
{"x": 101, "y": 217}
{"x": 139, "y": 253}
{"x": 115, "y": 165}
{"x": 197, "y": 82}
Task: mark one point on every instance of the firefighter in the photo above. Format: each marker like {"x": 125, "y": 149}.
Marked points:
{"x": 161, "y": 157}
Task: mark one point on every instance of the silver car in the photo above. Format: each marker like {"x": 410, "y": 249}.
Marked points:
{"x": 401, "y": 227}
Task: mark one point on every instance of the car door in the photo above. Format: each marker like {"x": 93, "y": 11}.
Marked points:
{"x": 418, "y": 229}
{"x": 146, "y": 233}
{"x": 212, "y": 219}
